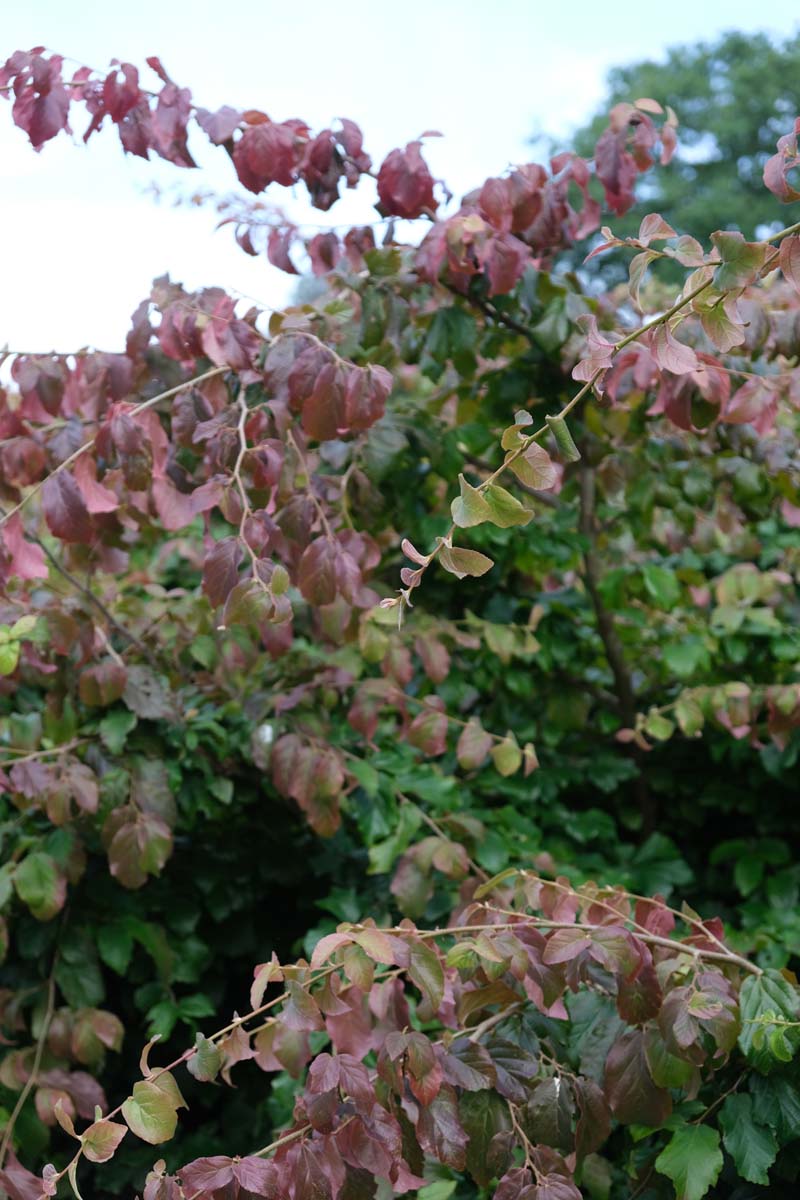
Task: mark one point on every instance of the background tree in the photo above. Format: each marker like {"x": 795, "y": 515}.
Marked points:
{"x": 733, "y": 99}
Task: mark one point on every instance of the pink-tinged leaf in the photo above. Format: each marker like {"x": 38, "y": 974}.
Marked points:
{"x": 20, "y": 1183}
{"x": 461, "y": 562}
{"x": 263, "y": 976}
{"x": 689, "y": 252}
{"x": 778, "y": 166}
{"x": 96, "y": 497}
{"x": 616, "y": 170}
{"x": 221, "y": 570}
{"x": 177, "y": 509}
{"x": 279, "y": 244}
{"x": 504, "y": 259}
{"x": 535, "y": 468}
{"x": 566, "y": 944}
{"x": 101, "y": 1140}
{"x": 218, "y": 126}
{"x": 599, "y": 351}
{"x": 411, "y": 552}
{"x": 669, "y": 353}
{"x": 65, "y": 511}
{"x": 428, "y": 731}
{"x": 316, "y": 574}
{"x": 654, "y": 229}
{"x": 754, "y": 403}
{"x": 405, "y": 185}
{"x": 327, "y": 946}
{"x": 376, "y": 944}
{"x": 102, "y": 684}
{"x": 473, "y": 746}
{"x": 637, "y": 272}
{"x": 26, "y": 559}
{"x": 790, "y": 260}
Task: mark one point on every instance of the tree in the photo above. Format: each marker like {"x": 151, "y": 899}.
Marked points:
{"x": 733, "y": 99}
{"x": 594, "y": 522}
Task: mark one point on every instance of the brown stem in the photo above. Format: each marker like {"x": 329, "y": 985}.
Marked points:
{"x": 30, "y": 1082}
{"x": 615, "y": 655}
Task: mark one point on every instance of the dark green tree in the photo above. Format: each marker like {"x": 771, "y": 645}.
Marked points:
{"x": 733, "y": 98}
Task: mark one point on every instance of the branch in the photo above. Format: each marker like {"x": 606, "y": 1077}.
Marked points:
{"x": 30, "y": 1082}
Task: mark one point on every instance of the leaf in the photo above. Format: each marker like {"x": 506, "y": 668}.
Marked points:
{"x": 460, "y": 562}
{"x": 662, "y": 585}
{"x": 471, "y": 507}
{"x": 506, "y": 755}
{"x": 147, "y": 695}
{"x": 482, "y": 1114}
{"x": 316, "y": 573}
{"x": 114, "y": 729}
{"x": 206, "y": 1061}
{"x": 692, "y": 1160}
{"x": 535, "y": 468}
{"x": 426, "y": 972}
{"x": 473, "y": 746}
{"x": 505, "y": 510}
{"x": 790, "y": 260}
{"x": 101, "y": 1139}
{"x": 741, "y": 260}
{"x": 40, "y": 885}
{"x": 752, "y": 1146}
{"x": 629, "y": 1087}
{"x": 65, "y": 512}
{"x": 150, "y": 1113}
{"x": 670, "y": 354}
{"x": 762, "y": 997}
{"x": 560, "y": 431}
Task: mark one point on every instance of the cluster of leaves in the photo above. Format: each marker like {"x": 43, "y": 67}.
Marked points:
{"x": 199, "y": 550}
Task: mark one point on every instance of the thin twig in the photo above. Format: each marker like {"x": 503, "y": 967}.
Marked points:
{"x": 134, "y": 412}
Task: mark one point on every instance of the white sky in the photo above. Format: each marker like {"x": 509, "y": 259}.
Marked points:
{"x": 80, "y": 238}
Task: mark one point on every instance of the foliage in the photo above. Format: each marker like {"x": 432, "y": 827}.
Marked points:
{"x": 734, "y": 98}
{"x": 218, "y": 708}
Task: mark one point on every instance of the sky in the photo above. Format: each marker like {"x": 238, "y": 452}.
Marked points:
{"x": 81, "y": 235}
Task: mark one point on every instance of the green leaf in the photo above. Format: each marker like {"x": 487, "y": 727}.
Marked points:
{"x": 752, "y": 1146}
{"x": 741, "y": 260}
{"x": 692, "y": 1160}
{"x": 23, "y": 628}
{"x": 114, "y": 729}
{"x": 470, "y": 508}
{"x": 763, "y": 997}
{"x": 150, "y": 1112}
{"x": 9, "y": 657}
{"x": 661, "y": 585}
{"x": 206, "y": 1060}
{"x": 504, "y": 509}
{"x": 506, "y": 755}
{"x": 426, "y": 972}
{"x": 115, "y": 943}
{"x": 560, "y": 431}
{"x": 40, "y": 885}
{"x": 483, "y": 1114}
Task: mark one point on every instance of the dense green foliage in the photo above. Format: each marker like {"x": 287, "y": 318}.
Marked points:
{"x": 219, "y": 750}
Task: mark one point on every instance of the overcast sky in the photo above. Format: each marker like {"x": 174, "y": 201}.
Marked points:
{"x": 81, "y": 238}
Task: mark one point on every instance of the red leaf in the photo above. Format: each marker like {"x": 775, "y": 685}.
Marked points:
{"x": 278, "y": 246}
{"x": 428, "y": 730}
{"x": 26, "y": 559}
{"x": 316, "y": 574}
{"x": 266, "y": 154}
{"x": 790, "y": 260}
{"x": 98, "y": 499}
{"x": 64, "y": 509}
{"x": 221, "y": 570}
{"x": 405, "y": 185}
